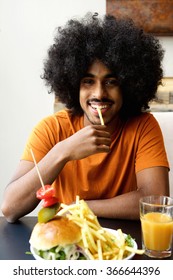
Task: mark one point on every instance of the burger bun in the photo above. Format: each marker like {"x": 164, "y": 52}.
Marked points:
{"x": 59, "y": 231}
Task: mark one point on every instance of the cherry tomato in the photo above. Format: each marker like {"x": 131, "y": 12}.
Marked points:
{"x": 49, "y": 201}
{"x": 46, "y": 192}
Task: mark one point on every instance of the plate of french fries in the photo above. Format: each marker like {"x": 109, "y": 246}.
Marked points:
{"x": 99, "y": 243}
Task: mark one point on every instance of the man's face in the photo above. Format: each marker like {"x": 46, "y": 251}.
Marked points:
{"x": 100, "y": 88}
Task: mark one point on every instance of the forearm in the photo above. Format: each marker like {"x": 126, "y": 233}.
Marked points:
{"x": 124, "y": 206}
{"x": 20, "y": 195}
{"x": 151, "y": 181}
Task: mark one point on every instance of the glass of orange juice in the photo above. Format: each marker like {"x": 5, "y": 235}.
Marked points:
{"x": 156, "y": 215}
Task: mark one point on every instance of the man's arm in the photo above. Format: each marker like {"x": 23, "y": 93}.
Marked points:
{"x": 150, "y": 181}
{"x": 20, "y": 195}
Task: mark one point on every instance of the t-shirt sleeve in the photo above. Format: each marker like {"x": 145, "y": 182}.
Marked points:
{"x": 42, "y": 139}
{"x": 150, "y": 149}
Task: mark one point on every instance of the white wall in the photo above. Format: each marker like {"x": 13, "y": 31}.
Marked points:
{"x": 167, "y": 44}
{"x": 26, "y": 31}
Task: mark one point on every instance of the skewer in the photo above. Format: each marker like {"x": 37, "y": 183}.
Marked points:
{"x": 37, "y": 169}
{"x": 100, "y": 116}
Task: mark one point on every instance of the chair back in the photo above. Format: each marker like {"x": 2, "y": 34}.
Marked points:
{"x": 165, "y": 120}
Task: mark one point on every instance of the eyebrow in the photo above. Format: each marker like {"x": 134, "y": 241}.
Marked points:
{"x": 89, "y": 75}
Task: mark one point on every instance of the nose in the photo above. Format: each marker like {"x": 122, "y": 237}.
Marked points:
{"x": 99, "y": 91}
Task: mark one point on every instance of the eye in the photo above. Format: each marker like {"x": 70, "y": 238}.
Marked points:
{"x": 112, "y": 82}
{"x": 87, "y": 81}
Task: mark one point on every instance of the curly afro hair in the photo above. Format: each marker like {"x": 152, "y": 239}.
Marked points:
{"x": 133, "y": 56}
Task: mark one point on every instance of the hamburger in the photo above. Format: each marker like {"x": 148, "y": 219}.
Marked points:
{"x": 58, "y": 239}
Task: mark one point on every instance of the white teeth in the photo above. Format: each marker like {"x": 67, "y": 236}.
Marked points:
{"x": 99, "y": 106}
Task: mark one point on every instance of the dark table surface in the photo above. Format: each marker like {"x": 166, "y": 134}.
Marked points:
{"x": 14, "y": 238}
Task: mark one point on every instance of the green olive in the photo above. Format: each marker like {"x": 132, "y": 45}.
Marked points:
{"x": 47, "y": 213}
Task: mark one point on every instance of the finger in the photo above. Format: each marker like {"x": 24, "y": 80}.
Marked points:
{"x": 99, "y": 131}
{"x": 103, "y": 149}
{"x": 103, "y": 141}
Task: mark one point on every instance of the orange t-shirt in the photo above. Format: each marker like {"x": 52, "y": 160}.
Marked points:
{"x": 136, "y": 144}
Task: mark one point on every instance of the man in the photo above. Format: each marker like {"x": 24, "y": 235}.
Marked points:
{"x": 113, "y": 65}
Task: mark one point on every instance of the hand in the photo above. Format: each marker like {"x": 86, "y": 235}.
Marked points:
{"x": 90, "y": 140}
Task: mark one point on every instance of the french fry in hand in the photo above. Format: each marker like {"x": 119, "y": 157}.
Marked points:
{"x": 100, "y": 116}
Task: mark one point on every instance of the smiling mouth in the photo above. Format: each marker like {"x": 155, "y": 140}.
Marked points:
{"x": 99, "y": 106}
{"x": 103, "y": 107}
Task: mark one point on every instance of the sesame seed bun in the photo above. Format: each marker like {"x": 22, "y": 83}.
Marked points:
{"x": 59, "y": 231}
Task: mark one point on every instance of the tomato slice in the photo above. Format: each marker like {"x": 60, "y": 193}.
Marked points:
{"x": 46, "y": 192}
{"x": 49, "y": 201}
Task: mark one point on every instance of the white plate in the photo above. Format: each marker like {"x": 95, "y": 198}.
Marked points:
{"x": 135, "y": 246}
{"x": 113, "y": 231}
{"x": 36, "y": 257}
